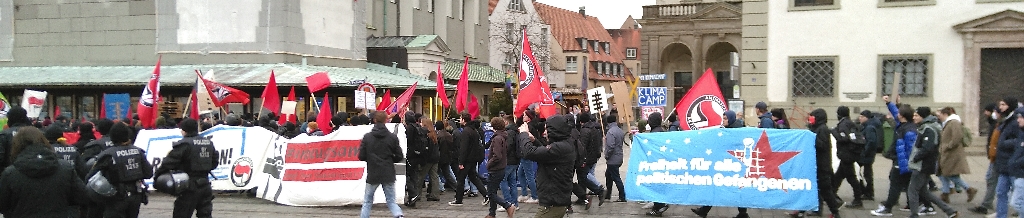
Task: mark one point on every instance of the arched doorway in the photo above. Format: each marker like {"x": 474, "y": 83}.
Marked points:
{"x": 677, "y": 64}
{"x": 717, "y": 58}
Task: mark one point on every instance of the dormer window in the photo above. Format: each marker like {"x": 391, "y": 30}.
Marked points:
{"x": 596, "y": 47}
{"x": 583, "y": 43}
{"x": 607, "y": 48}
{"x": 516, "y": 5}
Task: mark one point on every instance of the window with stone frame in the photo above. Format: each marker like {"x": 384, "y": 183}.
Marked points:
{"x": 807, "y": 5}
{"x": 516, "y": 5}
{"x": 510, "y": 32}
{"x": 570, "y": 64}
{"x": 913, "y": 71}
{"x": 813, "y": 76}
{"x": 803, "y": 3}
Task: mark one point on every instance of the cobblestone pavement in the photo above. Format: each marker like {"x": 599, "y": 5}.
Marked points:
{"x": 240, "y": 205}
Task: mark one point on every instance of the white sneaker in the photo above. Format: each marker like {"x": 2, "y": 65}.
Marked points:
{"x": 523, "y": 199}
{"x": 649, "y": 205}
{"x": 926, "y": 211}
{"x": 881, "y": 211}
{"x": 531, "y": 201}
{"x": 501, "y": 209}
{"x": 993, "y": 215}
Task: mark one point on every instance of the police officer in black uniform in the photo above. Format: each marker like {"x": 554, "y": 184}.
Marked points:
{"x": 90, "y": 151}
{"x": 65, "y": 153}
{"x": 125, "y": 166}
{"x": 196, "y": 156}
{"x": 17, "y": 118}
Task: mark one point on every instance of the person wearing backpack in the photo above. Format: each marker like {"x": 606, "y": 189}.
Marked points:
{"x": 952, "y": 159}
{"x": 872, "y": 132}
{"x": 849, "y": 145}
{"x": 922, "y": 165}
{"x": 416, "y": 140}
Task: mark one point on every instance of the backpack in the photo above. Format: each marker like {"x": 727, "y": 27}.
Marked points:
{"x": 968, "y": 135}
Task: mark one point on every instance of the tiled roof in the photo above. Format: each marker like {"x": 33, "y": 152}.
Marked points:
{"x": 625, "y": 38}
{"x": 567, "y": 26}
{"x": 491, "y": 5}
{"x": 477, "y": 72}
{"x": 241, "y": 75}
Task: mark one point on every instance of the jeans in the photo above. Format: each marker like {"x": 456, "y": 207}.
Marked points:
{"x": 1002, "y": 194}
{"x": 493, "y": 184}
{"x": 847, "y": 172}
{"x": 918, "y": 191}
{"x": 1018, "y": 194}
{"x": 991, "y": 180}
{"x": 389, "y": 197}
{"x": 430, "y": 170}
{"x": 949, "y": 182}
{"x": 611, "y": 176}
{"x": 447, "y": 175}
{"x": 527, "y": 178}
{"x": 508, "y": 186}
{"x": 585, "y": 182}
{"x": 591, "y": 177}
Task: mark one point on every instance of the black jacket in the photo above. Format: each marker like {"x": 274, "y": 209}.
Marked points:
{"x": 1009, "y": 137}
{"x": 927, "y": 146}
{"x": 591, "y": 137}
{"x": 177, "y": 158}
{"x": 822, "y": 142}
{"x": 470, "y": 151}
{"x": 92, "y": 149}
{"x": 849, "y": 141}
{"x": 512, "y": 130}
{"x": 380, "y": 149}
{"x": 445, "y": 147}
{"x": 872, "y": 133}
{"x": 38, "y": 185}
{"x": 416, "y": 147}
{"x": 554, "y": 162}
{"x": 6, "y": 142}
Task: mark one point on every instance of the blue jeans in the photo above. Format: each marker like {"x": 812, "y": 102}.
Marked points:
{"x": 508, "y": 187}
{"x": 1002, "y": 194}
{"x": 527, "y": 176}
{"x": 1018, "y": 194}
{"x": 389, "y": 197}
{"x": 591, "y": 177}
{"x": 949, "y": 182}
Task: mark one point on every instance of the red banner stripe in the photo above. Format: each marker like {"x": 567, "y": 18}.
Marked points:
{"x": 322, "y": 152}
{"x": 316, "y": 175}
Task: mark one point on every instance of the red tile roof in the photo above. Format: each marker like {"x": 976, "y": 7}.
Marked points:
{"x": 491, "y": 5}
{"x": 567, "y": 26}
{"x": 623, "y": 39}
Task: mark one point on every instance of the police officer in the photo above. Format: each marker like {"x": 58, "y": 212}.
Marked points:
{"x": 125, "y": 166}
{"x": 65, "y": 153}
{"x": 90, "y": 151}
{"x": 16, "y": 118}
{"x": 196, "y": 156}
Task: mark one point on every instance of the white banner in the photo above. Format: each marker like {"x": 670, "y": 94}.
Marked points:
{"x": 303, "y": 171}
{"x": 241, "y": 151}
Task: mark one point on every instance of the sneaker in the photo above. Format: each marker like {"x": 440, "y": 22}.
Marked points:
{"x": 882, "y": 211}
{"x": 954, "y": 215}
{"x": 970, "y": 194}
{"x": 649, "y": 205}
{"x": 993, "y": 215}
{"x": 655, "y": 213}
{"x": 926, "y": 211}
{"x": 741, "y": 216}
{"x": 979, "y": 210}
{"x": 454, "y": 203}
{"x": 501, "y": 209}
{"x": 854, "y": 204}
{"x": 531, "y": 201}
{"x": 697, "y": 211}
{"x": 486, "y": 201}
{"x": 812, "y": 213}
{"x": 522, "y": 198}
{"x": 905, "y": 208}
{"x": 795, "y": 214}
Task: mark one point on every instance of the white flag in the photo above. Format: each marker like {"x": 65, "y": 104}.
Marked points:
{"x": 204, "y": 102}
{"x": 33, "y": 102}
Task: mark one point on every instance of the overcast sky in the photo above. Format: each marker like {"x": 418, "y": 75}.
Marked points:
{"x": 611, "y": 12}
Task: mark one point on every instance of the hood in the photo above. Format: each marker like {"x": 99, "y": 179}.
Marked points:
{"x": 36, "y": 161}
{"x": 380, "y": 131}
{"x": 1012, "y": 106}
{"x": 951, "y": 117}
{"x": 820, "y": 117}
{"x": 339, "y": 118}
{"x": 930, "y": 119}
{"x": 592, "y": 125}
{"x": 410, "y": 117}
{"x": 654, "y": 119}
{"x": 730, "y": 118}
{"x": 558, "y": 128}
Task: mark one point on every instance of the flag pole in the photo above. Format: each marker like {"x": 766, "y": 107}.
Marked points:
{"x": 313, "y": 99}
{"x": 187, "y": 106}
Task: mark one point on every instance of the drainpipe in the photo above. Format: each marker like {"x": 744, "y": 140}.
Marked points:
{"x": 385, "y": 3}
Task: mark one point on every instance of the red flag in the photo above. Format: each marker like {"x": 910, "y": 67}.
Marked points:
{"x": 442, "y": 95}
{"x": 702, "y": 106}
{"x": 402, "y": 100}
{"x": 533, "y": 86}
{"x": 474, "y": 107}
{"x": 221, "y": 94}
{"x": 318, "y": 81}
{"x": 385, "y": 101}
{"x": 103, "y": 107}
{"x": 150, "y": 97}
{"x": 290, "y": 117}
{"x": 56, "y": 112}
{"x": 462, "y": 90}
{"x": 194, "y": 102}
{"x": 271, "y": 99}
{"x": 324, "y": 118}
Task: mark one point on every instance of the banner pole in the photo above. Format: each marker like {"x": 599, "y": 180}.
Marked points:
{"x": 188, "y": 105}
{"x": 313, "y": 99}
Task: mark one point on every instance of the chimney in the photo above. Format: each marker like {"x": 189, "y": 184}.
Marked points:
{"x": 583, "y": 10}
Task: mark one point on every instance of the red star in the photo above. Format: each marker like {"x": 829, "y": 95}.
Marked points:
{"x": 772, "y": 159}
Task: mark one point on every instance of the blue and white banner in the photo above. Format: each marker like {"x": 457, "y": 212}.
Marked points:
{"x": 118, "y": 106}
{"x": 744, "y": 167}
{"x": 652, "y": 96}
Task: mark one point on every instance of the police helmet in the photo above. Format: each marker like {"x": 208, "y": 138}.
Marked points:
{"x": 99, "y": 184}
{"x": 173, "y": 183}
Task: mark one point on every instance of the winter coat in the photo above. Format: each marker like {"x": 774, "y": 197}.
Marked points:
{"x": 674, "y": 126}
{"x": 554, "y": 162}
{"x": 655, "y": 122}
{"x": 766, "y": 121}
{"x": 380, "y": 149}
{"x": 591, "y": 137}
{"x": 38, "y": 185}
{"x": 1009, "y": 134}
{"x": 470, "y": 151}
{"x": 613, "y": 144}
{"x": 926, "y": 149}
{"x": 872, "y": 133}
{"x": 511, "y": 133}
{"x": 445, "y": 147}
{"x": 906, "y": 135}
{"x": 952, "y": 159}
{"x": 416, "y": 143}
{"x": 849, "y": 143}
{"x": 822, "y": 142}
{"x": 497, "y": 160}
